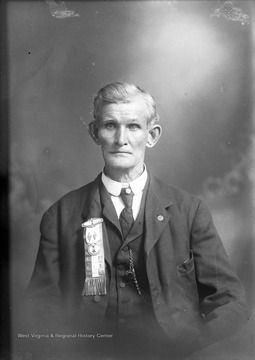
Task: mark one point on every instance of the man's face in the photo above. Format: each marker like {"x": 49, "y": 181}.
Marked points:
{"x": 123, "y": 135}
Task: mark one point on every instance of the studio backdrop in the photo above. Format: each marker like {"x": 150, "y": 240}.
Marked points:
{"x": 194, "y": 57}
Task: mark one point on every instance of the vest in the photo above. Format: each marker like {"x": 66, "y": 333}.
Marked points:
{"x": 130, "y": 316}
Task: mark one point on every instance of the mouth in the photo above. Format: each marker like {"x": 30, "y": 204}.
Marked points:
{"x": 120, "y": 152}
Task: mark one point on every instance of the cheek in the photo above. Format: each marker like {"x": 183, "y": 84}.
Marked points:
{"x": 105, "y": 139}
{"x": 141, "y": 142}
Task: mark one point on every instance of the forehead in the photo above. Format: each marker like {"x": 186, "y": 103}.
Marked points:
{"x": 133, "y": 110}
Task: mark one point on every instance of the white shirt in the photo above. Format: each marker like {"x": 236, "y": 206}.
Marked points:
{"x": 137, "y": 187}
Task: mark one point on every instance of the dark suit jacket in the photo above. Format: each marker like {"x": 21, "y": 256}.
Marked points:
{"x": 197, "y": 297}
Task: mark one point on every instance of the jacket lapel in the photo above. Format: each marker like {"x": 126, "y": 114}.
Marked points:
{"x": 109, "y": 212}
{"x": 93, "y": 209}
{"x": 157, "y": 213}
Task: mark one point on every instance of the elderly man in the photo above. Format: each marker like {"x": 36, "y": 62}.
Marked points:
{"x": 129, "y": 258}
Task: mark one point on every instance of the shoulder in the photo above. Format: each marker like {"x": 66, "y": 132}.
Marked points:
{"x": 187, "y": 210}
{"x": 173, "y": 193}
{"x": 183, "y": 205}
{"x": 75, "y": 198}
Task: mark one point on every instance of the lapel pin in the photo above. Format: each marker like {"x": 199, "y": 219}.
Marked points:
{"x": 160, "y": 217}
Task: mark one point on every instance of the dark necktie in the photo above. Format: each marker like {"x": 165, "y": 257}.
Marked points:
{"x": 126, "y": 216}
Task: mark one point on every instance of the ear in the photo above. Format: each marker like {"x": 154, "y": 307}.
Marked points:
{"x": 154, "y": 135}
{"x": 93, "y": 132}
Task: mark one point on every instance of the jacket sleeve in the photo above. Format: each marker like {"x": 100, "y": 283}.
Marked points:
{"x": 222, "y": 299}
{"x": 43, "y": 295}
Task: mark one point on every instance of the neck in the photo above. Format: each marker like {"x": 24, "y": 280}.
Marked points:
{"x": 124, "y": 175}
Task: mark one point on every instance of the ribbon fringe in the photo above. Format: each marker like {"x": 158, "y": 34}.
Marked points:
{"x": 94, "y": 286}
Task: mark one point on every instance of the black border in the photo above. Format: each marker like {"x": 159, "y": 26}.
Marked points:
{"x": 4, "y": 188}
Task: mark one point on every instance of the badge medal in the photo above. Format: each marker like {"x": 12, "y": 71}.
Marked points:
{"x": 95, "y": 279}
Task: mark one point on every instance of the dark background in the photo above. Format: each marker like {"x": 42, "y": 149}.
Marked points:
{"x": 197, "y": 66}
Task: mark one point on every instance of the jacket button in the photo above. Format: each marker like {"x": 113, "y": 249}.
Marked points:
{"x": 121, "y": 267}
{"x": 97, "y": 298}
{"x": 125, "y": 248}
{"x": 122, "y": 284}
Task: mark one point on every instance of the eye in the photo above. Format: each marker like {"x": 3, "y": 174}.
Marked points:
{"x": 109, "y": 126}
{"x": 133, "y": 127}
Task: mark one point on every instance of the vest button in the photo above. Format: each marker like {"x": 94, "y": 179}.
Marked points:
{"x": 97, "y": 298}
{"x": 122, "y": 284}
{"x": 121, "y": 267}
{"x": 125, "y": 248}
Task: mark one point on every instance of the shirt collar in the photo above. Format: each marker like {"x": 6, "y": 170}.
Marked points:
{"x": 114, "y": 187}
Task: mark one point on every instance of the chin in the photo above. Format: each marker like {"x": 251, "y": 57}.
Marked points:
{"x": 118, "y": 164}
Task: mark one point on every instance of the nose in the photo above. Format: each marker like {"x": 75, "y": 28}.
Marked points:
{"x": 121, "y": 136}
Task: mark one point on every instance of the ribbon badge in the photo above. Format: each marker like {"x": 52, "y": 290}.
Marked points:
{"x": 95, "y": 279}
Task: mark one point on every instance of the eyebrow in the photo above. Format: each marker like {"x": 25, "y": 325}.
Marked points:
{"x": 133, "y": 120}
{"x": 113, "y": 119}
